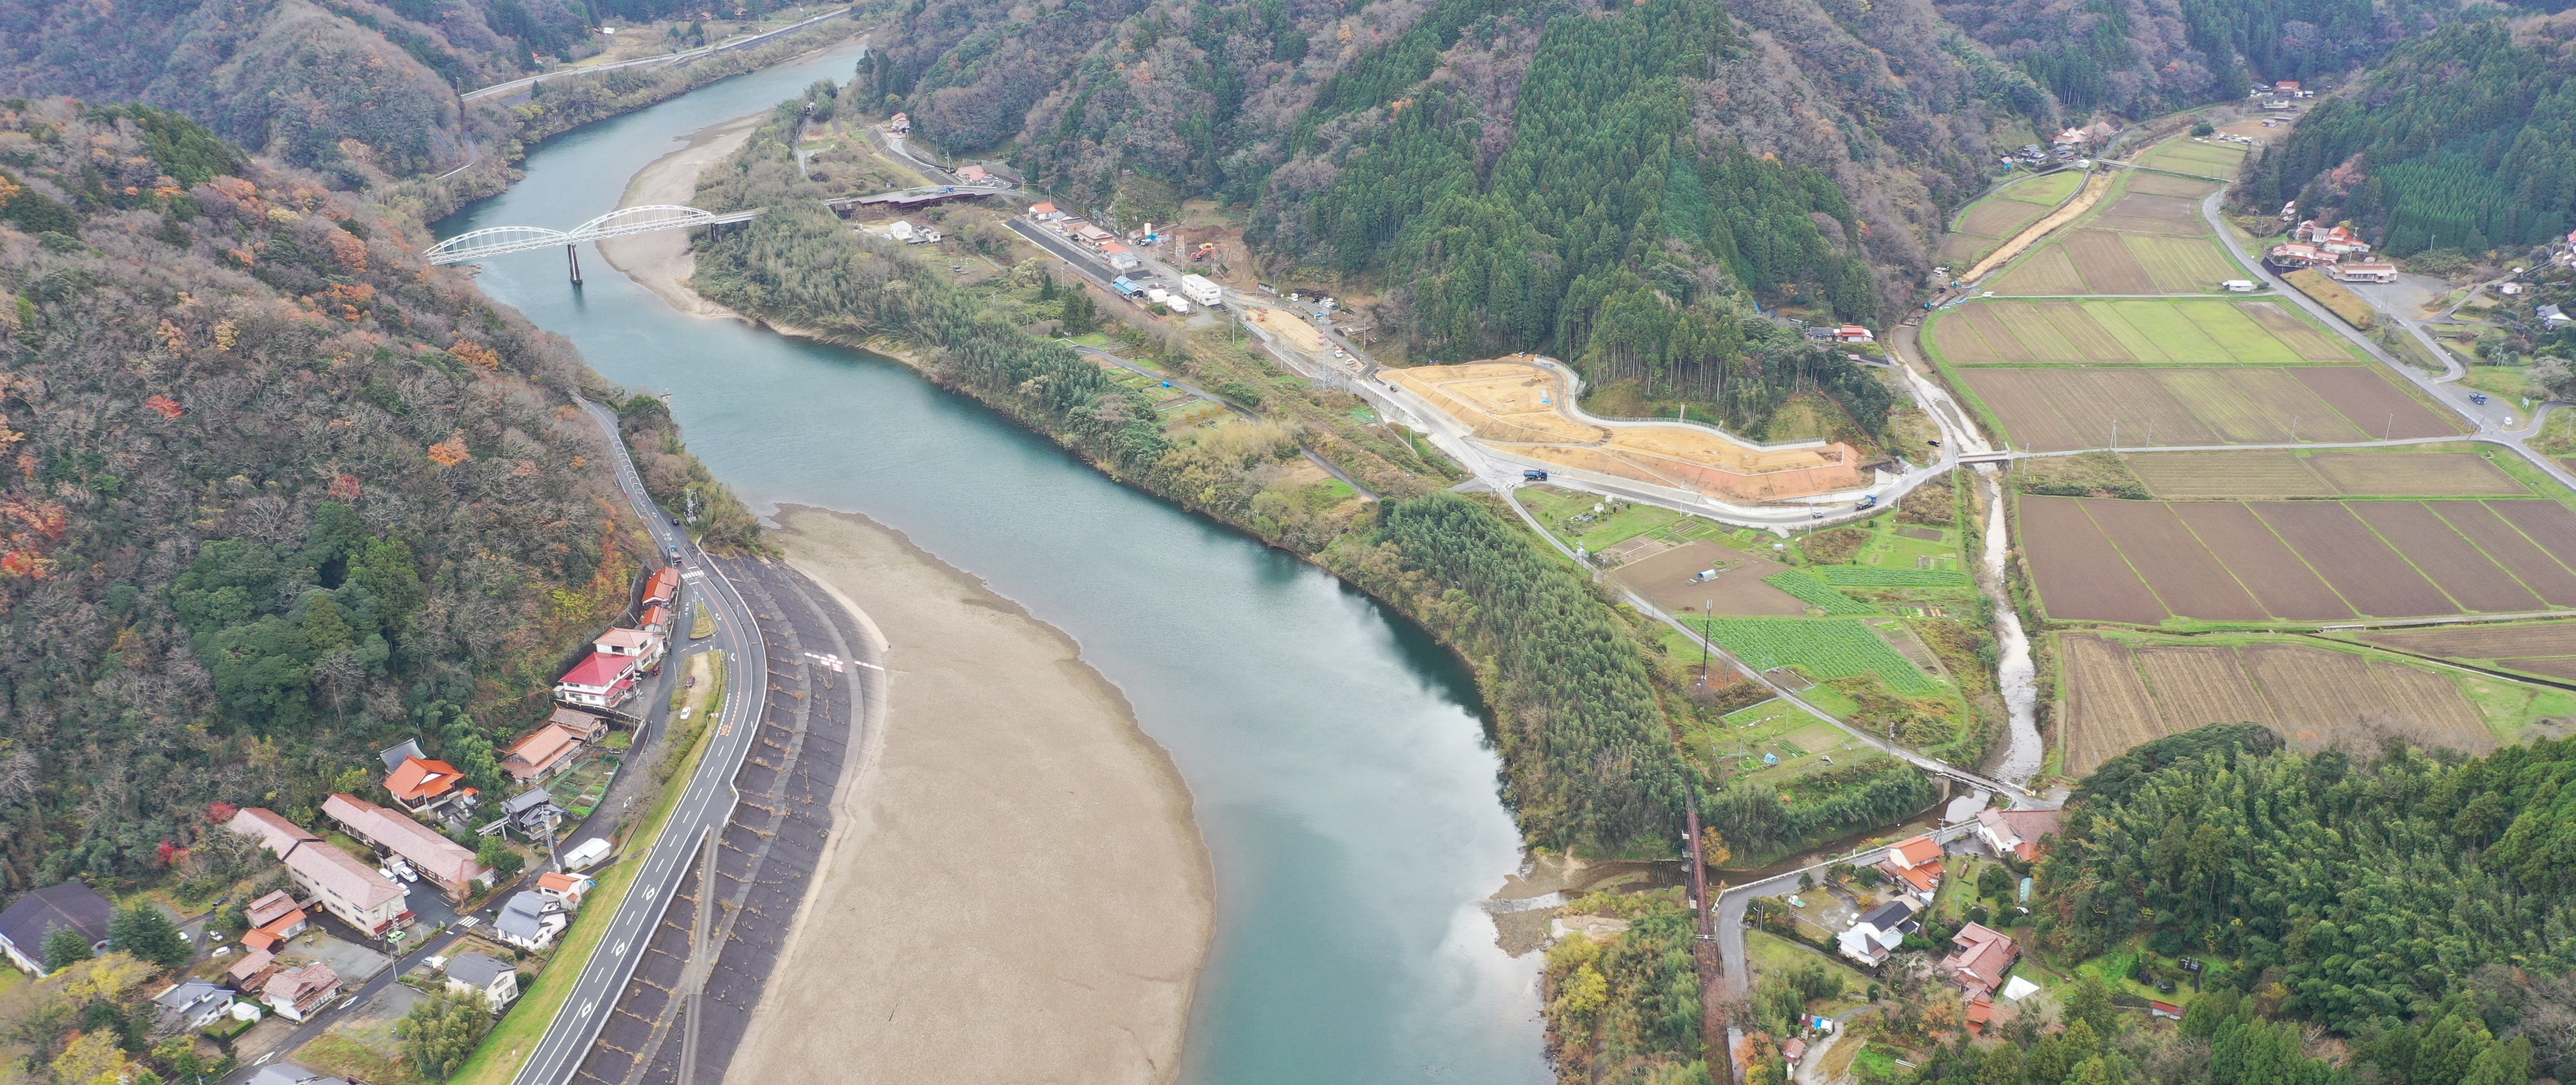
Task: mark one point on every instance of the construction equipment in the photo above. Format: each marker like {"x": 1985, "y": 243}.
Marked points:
{"x": 1203, "y": 252}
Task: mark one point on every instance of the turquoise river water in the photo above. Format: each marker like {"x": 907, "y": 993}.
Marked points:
{"x": 1342, "y": 779}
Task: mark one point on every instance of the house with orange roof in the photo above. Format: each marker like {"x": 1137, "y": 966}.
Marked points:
{"x": 568, "y": 888}
{"x": 544, "y": 752}
{"x": 656, "y": 620}
{"x": 664, "y": 588}
{"x": 1044, "y": 212}
{"x": 1916, "y": 863}
{"x": 1978, "y": 965}
{"x": 274, "y": 919}
{"x": 426, "y": 787}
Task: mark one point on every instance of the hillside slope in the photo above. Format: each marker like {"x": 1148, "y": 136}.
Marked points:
{"x": 279, "y": 495}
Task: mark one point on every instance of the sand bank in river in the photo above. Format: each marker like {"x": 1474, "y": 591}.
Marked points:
{"x": 662, "y": 261}
{"x": 1020, "y": 892}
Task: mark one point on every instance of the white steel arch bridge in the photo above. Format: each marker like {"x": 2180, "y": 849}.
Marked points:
{"x": 494, "y": 241}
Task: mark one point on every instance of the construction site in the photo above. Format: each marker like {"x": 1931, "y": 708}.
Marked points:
{"x": 1522, "y": 407}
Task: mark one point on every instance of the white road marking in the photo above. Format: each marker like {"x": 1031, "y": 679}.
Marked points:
{"x": 586, "y": 1007}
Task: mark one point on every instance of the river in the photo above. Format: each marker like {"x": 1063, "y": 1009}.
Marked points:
{"x": 1342, "y": 778}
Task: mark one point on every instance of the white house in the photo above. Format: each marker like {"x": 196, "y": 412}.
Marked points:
{"x": 299, "y": 993}
{"x": 483, "y": 974}
{"x": 530, "y": 920}
{"x": 1878, "y": 933}
{"x": 192, "y": 1005}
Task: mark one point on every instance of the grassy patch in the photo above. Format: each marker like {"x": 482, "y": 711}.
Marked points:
{"x": 2331, "y": 294}
{"x": 341, "y": 1056}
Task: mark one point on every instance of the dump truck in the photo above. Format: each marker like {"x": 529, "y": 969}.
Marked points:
{"x": 1534, "y": 475}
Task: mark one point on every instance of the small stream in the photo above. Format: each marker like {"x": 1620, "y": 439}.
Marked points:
{"x": 2016, "y": 674}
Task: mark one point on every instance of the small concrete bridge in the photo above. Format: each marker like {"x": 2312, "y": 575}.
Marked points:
{"x": 494, "y": 241}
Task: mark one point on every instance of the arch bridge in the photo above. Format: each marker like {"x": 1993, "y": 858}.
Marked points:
{"x": 624, "y": 222}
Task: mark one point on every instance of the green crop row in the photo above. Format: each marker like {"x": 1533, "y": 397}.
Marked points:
{"x": 1814, "y": 593}
{"x": 1823, "y": 647}
{"x": 1865, "y": 576}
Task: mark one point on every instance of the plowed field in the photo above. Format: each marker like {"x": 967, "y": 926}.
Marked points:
{"x": 2318, "y": 692}
{"x": 2182, "y": 572}
{"x": 2263, "y": 563}
{"x": 2247, "y": 474}
{"x": 2380, "y": 408}
{"x": 2434, "y": 706}
{"x": 2362, "y": 569}
{"x": 2108, "y": 265}
{"x": 2081, "y": 577}
{"x": 2551, "y": 578}
{"x": 2483, "y": 642}
{"x": 2046, "y": 271}
{"x": 2444, "y": 557}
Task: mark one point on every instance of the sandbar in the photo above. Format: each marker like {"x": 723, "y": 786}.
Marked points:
{"x": 1020, "y": 892}
{"x": 662, "y": 262}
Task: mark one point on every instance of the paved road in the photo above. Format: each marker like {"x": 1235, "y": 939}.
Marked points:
{"x": 516, "y": 85}
{"x": 705, "y": 806}
{"x": 1732, "y": 902}
{"x": 2443, "y": 391}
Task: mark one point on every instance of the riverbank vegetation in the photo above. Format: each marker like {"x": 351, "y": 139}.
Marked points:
{"x": 283, "y": 496}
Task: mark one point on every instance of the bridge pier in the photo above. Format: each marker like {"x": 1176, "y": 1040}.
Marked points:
{"x": 572, "y": 256}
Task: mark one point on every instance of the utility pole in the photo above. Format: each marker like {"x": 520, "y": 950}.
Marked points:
{"x": 1706, "y": 623}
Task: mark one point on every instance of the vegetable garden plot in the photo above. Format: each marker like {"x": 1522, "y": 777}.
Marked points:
{"x": 1823, "y": 647}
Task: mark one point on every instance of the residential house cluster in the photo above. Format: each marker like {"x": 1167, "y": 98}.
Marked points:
{"x": 2318, "y": 245}
{"x": 620, "y": 658}
{"x": 1113, "y": 252}
{"x": 414, "y": 850}
{"x": 352, "y": 891}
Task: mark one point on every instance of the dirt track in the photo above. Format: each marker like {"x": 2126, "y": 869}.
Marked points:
{"x": 2084, "y": 200}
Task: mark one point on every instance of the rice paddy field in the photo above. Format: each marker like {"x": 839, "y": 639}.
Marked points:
{"x": 2062, "y": 409}
{"x": 2152, "y": 563}
{"x": 2118, "y": 692}
{"x": 2152, "y": 331}
{"x": 1986, "y": 223}
{"x": 2195, "y": 157}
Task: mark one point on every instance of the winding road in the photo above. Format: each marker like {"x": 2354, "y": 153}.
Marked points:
{"x": 681, "y": 57}
{"x": 2444, "y": 390}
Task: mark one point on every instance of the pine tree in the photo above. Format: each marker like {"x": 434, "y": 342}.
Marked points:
{"x": 65, "y": 947}
{"x": 141, "y": 929}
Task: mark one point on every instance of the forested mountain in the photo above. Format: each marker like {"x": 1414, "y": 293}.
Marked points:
{"x": 363, "y": 89}
{"x": 279, "y": 494}
{"x": 1269, "y": 104}
{"x": 2415, "y": 905}
{"x": 2464, "y": 140}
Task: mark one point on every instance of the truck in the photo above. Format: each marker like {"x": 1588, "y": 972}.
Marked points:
{"x": 1867, "y": 501}
{"x": 1534, "y": 475}
{"x": 1197, "y": 288}
{"x": 586, "y": 854}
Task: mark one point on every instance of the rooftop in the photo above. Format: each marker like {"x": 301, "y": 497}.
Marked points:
{"x": 419, "y": 779}
{"x": 423, "y": 847}
{"x": 70, "y": 904}
{"x": 344, "y": 876}
{"x": 597, "y": 671}
{"x": 275, "y": 833}
{"x": 477, "y": 969}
